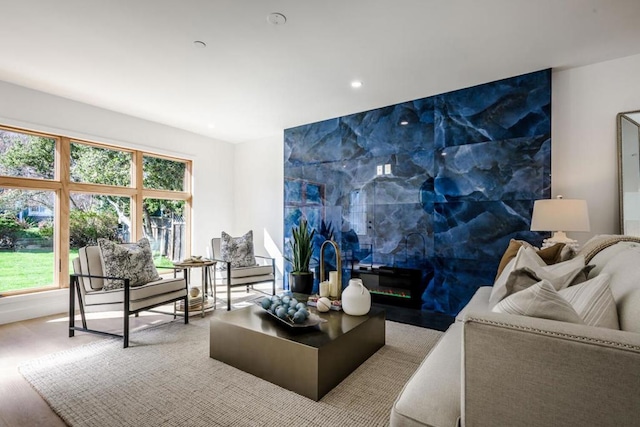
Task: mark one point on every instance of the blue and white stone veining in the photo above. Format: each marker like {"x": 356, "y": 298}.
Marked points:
{"x": 465, "y": 170}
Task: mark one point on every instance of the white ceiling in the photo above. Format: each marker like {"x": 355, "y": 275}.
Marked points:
{"x": 254, "y": 79}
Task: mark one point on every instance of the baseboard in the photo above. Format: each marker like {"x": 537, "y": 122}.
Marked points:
{"x": 16, "y": 308}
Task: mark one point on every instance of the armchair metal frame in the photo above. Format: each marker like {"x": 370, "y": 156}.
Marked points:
{"x": 248, "y": 284}
{"x": 74, "y": 288}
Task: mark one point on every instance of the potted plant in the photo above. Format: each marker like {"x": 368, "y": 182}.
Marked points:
{"x": 301, "y": 278}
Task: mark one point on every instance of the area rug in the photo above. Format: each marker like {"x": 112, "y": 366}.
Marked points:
{"x": 166, "y": 378}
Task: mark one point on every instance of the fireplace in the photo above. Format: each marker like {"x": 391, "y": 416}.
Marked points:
{"x": 394, "y": 285}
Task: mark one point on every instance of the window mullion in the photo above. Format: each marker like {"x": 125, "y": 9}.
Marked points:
{"x": 61, "y": 213}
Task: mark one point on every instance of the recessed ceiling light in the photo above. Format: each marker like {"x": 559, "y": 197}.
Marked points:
{"x": 404, "y": 123}
{"x": 199, "y": 44}
{"x": 356, "y": 84}
{"x": 276, "y": 18}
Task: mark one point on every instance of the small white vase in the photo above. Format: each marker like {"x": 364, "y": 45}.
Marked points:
{"x": 356, "y": 299}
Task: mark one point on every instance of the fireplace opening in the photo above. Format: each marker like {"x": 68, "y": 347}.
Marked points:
{"x": 394, "y": 285}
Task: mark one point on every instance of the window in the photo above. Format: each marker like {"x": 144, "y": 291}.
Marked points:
{"x": 163, "y": 174}
{"x": 165, "y": 226}
{"x": 26, "y": 155}
{"x": 26, "y": 239}
{"x": 51, "y": 204}
{"x": 114, "y": 165}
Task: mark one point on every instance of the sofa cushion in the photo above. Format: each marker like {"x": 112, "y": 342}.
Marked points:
{"x": 237, "y": 250}
{"x": 432, "y": 396}
{"x": 89, "y": 263}
{"x": 593, "y": 301}
{"x": 133, "y": 261}
{"x": 540, "y": 300}
{"x": 479, "y": 303}
{"x": 253, "y": 271}
{"x": 139, "y": 293}
{"x": 621, "y": 262}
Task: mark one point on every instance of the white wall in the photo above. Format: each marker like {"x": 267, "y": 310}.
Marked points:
{"x": 258, "y": 186}
{"x": 584, "y": 160}
{"x": 212, "y": 162}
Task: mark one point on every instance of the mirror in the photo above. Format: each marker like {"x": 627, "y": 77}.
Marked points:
{"x": 629, "y": 171}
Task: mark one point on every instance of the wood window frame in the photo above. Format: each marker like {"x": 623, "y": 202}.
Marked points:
{"x": 62, "y": 187}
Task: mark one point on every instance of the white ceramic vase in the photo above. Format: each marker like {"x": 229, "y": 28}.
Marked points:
{"x": 356, "y": 299}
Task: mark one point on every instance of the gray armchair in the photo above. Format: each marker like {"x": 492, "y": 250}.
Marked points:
{"x": 87, "y": 284}
{"x": 263, "y": 271}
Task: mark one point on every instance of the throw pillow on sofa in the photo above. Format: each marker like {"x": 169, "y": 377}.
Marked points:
{"x": 237, "y": 250}
{"x": 590, "y": 303}
{"x": 594, "y": 302}
{"x": 133, "y": 261}
{"x": 550, "y": 255}
{"x": 540, "y": 300}
{"x": 527, "y": 269}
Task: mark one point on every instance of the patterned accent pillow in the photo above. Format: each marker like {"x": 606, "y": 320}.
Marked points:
{"x": 237, "y": 250}
{"x": 133, "y": 261}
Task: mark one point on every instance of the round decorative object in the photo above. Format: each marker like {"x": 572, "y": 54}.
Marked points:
{"x": 194, "y": 292}
{"x": 323, "y": 305}
{"x": 356, "y": 299}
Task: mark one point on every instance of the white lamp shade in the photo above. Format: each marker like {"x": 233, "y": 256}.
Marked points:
{"x": 560, "y": 215}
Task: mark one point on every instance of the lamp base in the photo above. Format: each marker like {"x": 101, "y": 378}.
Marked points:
{"x": 560, "y": 237}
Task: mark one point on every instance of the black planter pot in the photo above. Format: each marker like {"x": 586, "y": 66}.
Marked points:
{"x": 301, "y": 283}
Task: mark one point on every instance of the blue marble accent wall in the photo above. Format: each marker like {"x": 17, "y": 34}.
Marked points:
{"x": 465, "y": 169}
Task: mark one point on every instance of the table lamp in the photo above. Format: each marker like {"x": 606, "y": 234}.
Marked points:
{"x": 560, "y": 215}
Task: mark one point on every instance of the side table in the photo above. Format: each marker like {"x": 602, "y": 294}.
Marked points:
{"x": 208, "y": 270}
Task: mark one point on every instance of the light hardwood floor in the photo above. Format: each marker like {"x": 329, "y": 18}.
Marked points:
{"x": 21, "y": 405}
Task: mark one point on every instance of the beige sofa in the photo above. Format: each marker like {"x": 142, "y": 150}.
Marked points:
{"x": 493, "y": 369}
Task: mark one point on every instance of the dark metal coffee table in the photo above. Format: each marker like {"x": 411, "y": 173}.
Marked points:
{"x": 309, "y": 361}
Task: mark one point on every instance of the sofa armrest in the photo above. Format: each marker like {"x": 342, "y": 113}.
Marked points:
{"x": 526, "y": 371}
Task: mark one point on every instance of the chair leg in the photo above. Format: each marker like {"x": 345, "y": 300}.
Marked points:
{"x": 83, "y": 316}
{"x": 126, "y": 312}
{"x": 72, "y": 307}
{"x": 229, "y": 290}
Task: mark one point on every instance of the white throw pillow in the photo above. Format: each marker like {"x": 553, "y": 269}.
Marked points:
{"x": 540, "y": 300}
{"x": 499, "y": 290}
{"x": 594, "y": 302}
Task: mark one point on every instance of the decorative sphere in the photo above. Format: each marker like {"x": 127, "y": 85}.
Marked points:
{"x": 293, "y": 302}
{"x": 291, "y": 312}
{"x": 194, "y": 292}
{"x": 300, "y": 305}
{"x": 299, "y": 317}
{"x": 323, "y": 305}
{"x": 303, "y": 310}
{"x": 281, "y": 312}
{"x": 266, "y": 303}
